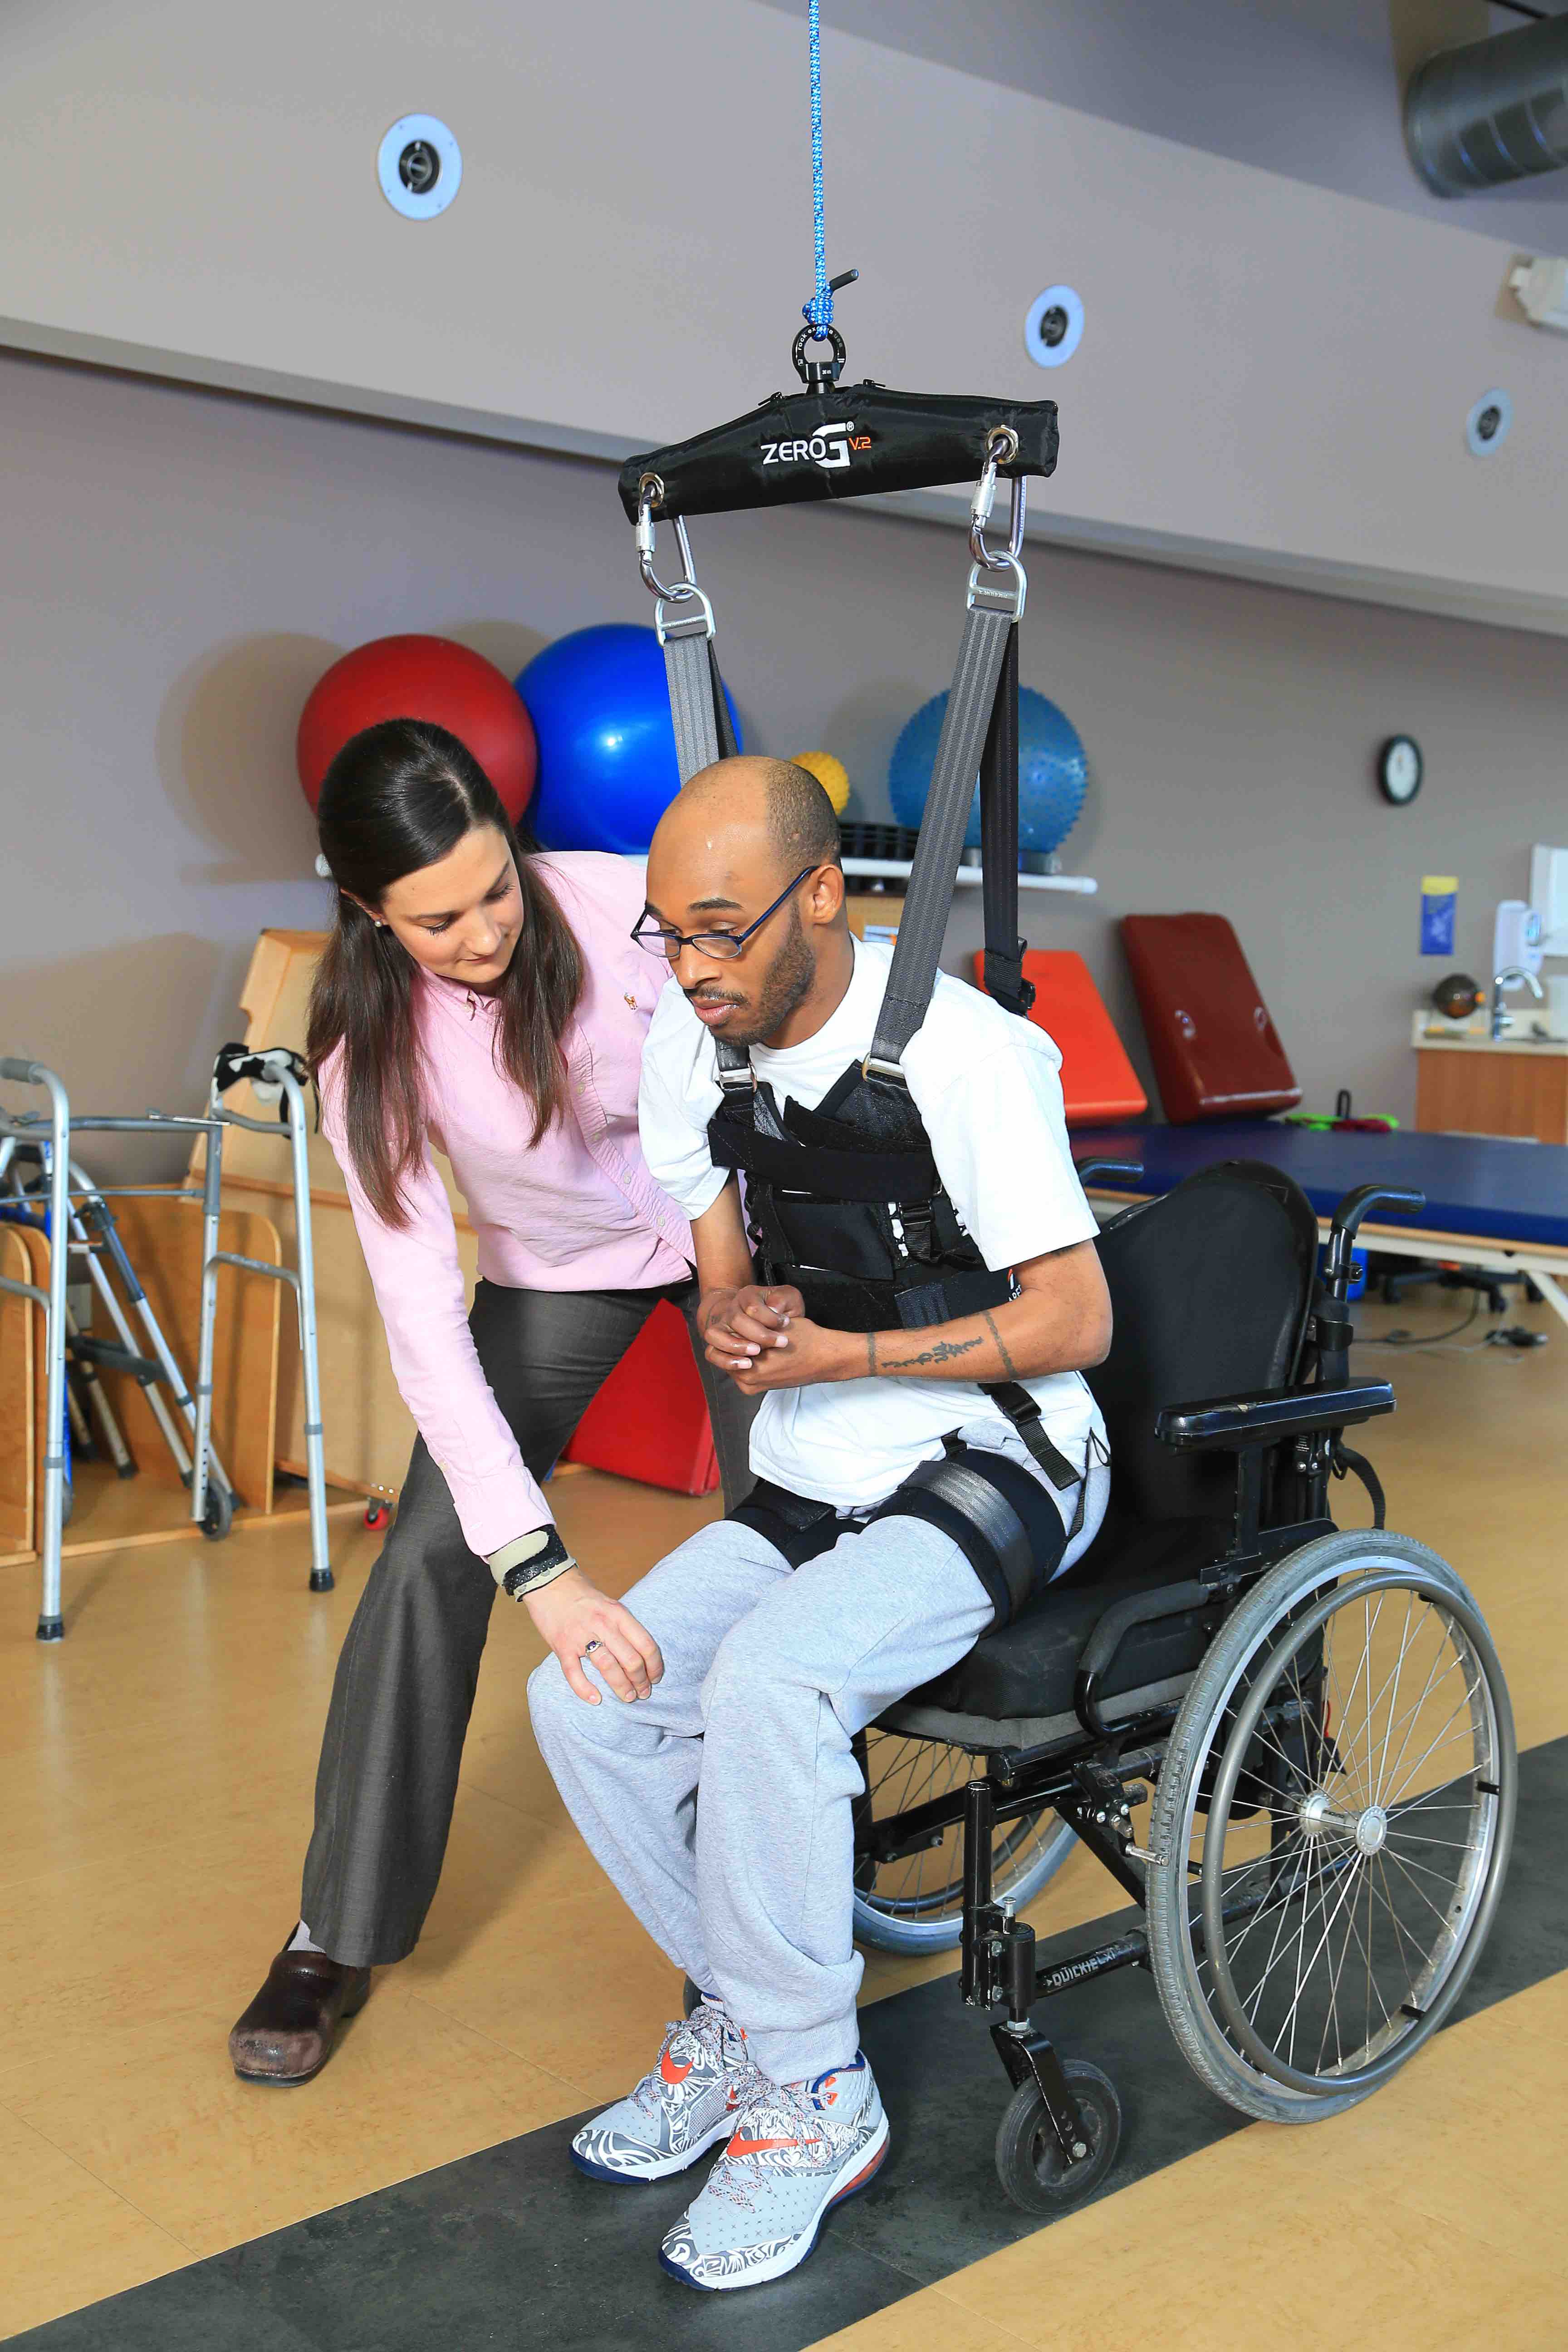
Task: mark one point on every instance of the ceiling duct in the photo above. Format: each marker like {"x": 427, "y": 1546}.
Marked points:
{"x": 1493, "y": 112}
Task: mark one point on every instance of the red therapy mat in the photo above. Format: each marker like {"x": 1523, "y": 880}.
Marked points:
{"x": 1099, "y": 1082}
{"x": 649, "y": 1421}
{"x": 1215, "y": 1049}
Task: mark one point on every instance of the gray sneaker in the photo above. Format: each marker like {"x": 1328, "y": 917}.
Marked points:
{"x": 797, "y": 2150}
{"x": 680, "y": 2108}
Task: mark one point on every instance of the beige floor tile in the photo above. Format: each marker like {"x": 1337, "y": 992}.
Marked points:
{"x": 215, "y": 2161}
{"x": 1381, "y": 2228}
{"x": 65, "y": 2238}
{"x": 928, "y": 2321}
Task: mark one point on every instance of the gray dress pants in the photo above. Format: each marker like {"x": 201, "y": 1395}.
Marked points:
{"x": 406, "y": 1681}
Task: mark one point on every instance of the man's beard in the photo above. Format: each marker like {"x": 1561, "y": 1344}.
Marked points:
{"x": 790, "y": 980}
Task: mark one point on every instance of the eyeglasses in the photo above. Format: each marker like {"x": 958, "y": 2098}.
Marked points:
{"x": 721, "y": 945}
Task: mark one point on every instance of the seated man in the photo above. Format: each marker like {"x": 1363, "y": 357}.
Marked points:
{"x": 720, "y": 1804}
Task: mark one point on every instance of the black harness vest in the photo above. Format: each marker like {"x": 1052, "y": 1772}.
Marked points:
{"x": 844, "y": 1203}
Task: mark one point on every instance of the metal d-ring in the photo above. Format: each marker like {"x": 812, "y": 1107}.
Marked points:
{"x": 817, "y": 374}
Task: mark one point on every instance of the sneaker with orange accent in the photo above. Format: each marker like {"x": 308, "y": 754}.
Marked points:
{"x": 684, "y": 2105}
{"x": 798, "y": 2149}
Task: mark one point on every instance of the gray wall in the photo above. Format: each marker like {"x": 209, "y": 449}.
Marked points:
{"x": 177, "y": 568}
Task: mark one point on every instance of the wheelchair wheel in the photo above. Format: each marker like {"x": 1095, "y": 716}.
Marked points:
{"x": 916, "y": 1905}
{"x": 1331, "y": 1825}
{"x": 1030, "y": 2164}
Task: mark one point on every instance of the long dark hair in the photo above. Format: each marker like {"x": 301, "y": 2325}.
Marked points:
{"x": 397, "y": 797}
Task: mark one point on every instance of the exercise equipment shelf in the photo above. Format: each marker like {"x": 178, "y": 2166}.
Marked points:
{"x": 899, "y": 869}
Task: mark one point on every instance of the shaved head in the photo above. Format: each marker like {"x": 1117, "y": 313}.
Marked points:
{"x": 740, "y": 833}
{"x": 774, "y": 794}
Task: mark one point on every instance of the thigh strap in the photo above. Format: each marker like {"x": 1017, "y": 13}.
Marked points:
{"x": 998, "y": 1515}
{"x": 996, "y": 1512}
{"x": 796, "y": 1524}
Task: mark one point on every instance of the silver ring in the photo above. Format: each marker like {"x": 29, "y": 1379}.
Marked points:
{"x": 589, "y": 1648}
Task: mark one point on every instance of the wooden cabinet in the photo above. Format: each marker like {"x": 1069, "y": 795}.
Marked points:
{"x": 1481, "y": 1089}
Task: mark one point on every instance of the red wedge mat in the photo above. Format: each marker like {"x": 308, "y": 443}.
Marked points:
{"x": 1099, "y": 1082}
{"x": 1215, "y": 1049}
{"x": 649, "y": 1421}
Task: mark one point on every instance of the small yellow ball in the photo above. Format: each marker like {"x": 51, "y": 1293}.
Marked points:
{"x": 830, "y": 773}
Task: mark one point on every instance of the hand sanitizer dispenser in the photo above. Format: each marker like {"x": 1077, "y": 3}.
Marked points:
{"x": 1516, "y": 936}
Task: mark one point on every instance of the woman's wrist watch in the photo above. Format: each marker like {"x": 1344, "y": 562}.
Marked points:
{"x": 530, "y": 1562}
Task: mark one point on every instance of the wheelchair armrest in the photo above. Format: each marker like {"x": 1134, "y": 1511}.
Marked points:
{"x": 1231, "y": 1422}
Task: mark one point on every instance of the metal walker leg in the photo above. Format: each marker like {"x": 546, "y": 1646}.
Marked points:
{"x": 270, "y": 1069}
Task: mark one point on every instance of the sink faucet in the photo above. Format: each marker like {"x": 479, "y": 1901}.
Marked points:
{"x": 1510, "y": 977}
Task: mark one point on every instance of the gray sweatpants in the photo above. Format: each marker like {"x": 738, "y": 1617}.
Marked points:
{"x": 721, "y": 1806}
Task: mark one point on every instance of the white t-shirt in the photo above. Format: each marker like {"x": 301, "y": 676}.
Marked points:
{"x": 986, "y": 1087}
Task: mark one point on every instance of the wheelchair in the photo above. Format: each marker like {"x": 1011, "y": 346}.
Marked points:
{"x": 1316, "y": 1718}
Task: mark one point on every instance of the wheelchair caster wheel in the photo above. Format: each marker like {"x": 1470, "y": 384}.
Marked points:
{"x": 1030, "y": 2164}
{"x": 218, "y": 1516}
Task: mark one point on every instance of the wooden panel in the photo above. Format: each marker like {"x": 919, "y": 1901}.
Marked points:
{"x": 21, "y": 1334}
{"x": 368, "y": 1431}
{"x": 1475, "y": 1093}
{"x": 164, "y": 1240}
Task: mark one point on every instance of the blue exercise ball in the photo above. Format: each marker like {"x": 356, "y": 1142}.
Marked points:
{"x": 600, "y": 709}
{"x": 1053, "y": 773}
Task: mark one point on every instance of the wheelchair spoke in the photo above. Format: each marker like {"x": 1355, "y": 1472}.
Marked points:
{"x": 1411, "y": 1714}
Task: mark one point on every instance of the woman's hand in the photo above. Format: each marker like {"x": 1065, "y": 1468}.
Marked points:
{"x": 571, "y": 1612}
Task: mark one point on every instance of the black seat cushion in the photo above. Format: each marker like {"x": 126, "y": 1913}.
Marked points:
{"x": 1027, "y": 1668}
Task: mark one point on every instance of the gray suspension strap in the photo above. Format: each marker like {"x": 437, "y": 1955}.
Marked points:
{"x": 683, "y": 623}
{"x": 997, "y": 586}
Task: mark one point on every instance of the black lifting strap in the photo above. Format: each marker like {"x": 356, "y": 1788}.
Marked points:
{"x": 1004, "y": 964}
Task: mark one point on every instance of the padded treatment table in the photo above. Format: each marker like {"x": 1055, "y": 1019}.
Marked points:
{"x": 1490, "y": 1202}
{"x": 1099, "y": 1082}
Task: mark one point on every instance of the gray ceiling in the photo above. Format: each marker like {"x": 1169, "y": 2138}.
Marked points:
{"x": 1307, "y": 88}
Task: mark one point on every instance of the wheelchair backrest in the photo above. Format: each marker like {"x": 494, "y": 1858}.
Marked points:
{"x": 1212, "y": 1289}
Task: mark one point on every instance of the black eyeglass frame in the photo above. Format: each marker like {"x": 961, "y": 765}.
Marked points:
{"x": 703, "y": 942}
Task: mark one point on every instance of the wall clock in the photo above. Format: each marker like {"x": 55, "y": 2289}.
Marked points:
{"x": 1399, "y": 770}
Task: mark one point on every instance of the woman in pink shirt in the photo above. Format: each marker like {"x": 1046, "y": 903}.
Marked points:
{"x": 483, "y": 1000}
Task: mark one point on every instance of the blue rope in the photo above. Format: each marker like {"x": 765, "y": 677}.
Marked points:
{"x": 819, "y": 311}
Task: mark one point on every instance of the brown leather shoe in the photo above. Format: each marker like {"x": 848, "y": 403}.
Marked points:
{"x": 286, "y": 2035}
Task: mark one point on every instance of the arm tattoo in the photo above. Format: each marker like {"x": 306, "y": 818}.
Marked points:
{"x": 943, "y": 1353}
{"x": 1007, "y": 1364}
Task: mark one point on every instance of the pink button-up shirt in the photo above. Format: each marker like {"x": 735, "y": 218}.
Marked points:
{"x": 576, "y": 1211}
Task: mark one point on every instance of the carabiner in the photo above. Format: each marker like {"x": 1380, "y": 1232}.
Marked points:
{"x": 1001, "y": 448}
{"x": 650, "y": 490}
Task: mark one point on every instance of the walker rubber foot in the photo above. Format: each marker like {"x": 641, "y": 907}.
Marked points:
{"x": 322, "y": 1581}
{"x": 51, "y": 1629}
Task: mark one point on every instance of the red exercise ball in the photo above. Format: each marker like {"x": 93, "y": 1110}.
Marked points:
{"x": 421, "y": 678}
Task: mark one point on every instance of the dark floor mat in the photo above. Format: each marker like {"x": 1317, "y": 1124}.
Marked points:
{"x": 512, "y": 2247}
